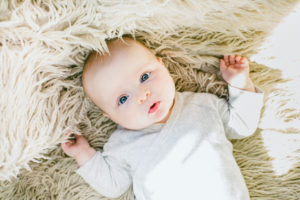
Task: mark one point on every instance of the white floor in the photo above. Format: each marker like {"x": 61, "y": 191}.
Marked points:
{"x": 282, "y": 49}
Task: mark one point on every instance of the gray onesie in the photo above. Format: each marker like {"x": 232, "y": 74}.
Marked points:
{"x": 189, "y": 157}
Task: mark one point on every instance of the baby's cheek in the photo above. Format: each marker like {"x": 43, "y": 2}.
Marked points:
{"x": 131, "y": 119}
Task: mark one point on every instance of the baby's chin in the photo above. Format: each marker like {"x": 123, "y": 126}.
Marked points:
{"x": 141, "y": 126}
{"x": 136, "y": 128}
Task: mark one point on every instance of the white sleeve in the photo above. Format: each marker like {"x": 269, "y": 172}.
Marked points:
{"x": 240, "y": 115}
{"x": 106, "y": 175}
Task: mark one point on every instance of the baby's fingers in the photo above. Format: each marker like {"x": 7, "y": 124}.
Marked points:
{"x": 238, "y": 58}
{"x": 232, "y": 59}
{"x": 226, "y": 60}
{"x": 69, "y": 148}
{"x": 66, "y": 146}
{"x": 69, "y": 134}
{"x": 244, "y": 61}
{"x": 240, "y": 66}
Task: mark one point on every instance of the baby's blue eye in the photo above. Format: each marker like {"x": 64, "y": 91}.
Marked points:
{"x": 123, "y": 99}
{"x": 144, "y": 77}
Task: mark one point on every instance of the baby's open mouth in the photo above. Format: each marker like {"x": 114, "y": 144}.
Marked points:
{"x": 154, "y": 107}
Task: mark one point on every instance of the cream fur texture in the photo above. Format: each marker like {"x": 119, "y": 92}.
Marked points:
{"x": 44, "y": 43}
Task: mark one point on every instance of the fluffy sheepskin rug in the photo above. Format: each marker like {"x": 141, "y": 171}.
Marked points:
{"x": 44, "y": 43}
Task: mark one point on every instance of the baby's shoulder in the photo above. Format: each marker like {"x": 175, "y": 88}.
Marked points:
{"x": 200, "y": 98}
{"x": 120, "y": 136}
{"x": 115, "y": 138}
{"x": 117, "y": 135}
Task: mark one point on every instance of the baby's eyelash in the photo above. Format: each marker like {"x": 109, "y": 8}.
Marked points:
{"x": 145, "y": 77}
{"x": 122, "y": 99}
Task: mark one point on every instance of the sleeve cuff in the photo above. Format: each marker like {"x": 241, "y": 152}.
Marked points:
{"x": 238, "y": 98}
{"x": 85, "y": 169}
{"x": 234, "y": 90}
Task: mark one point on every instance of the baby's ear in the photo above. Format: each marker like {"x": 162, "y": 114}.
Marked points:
{"x": 159, "y": 59}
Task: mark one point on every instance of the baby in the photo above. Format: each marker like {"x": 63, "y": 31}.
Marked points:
{"x": 168, "y": 145}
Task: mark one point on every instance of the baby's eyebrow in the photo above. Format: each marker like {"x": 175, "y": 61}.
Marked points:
{"x": 146, "y": 68}
{"x": 146, "y": 64}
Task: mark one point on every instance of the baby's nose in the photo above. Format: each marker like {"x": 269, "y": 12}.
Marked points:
{"x": 144, "y": 95}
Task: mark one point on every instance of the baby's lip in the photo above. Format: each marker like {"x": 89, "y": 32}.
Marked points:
{"x": 154, "y": 107}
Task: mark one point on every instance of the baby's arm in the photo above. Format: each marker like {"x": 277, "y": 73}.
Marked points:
{"x": 241, "y": 114}
{"x": 103, "y": 173}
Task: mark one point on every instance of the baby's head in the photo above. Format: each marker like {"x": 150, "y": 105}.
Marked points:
{"x": 130, "y": 84}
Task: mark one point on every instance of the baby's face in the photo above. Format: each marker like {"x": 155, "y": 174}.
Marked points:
{"x": 132, "y": 86}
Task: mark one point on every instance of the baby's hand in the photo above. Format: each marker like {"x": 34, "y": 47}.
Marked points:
{"x": 78, "y": 148}
{"x": 235, "y": 71}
